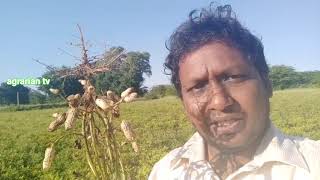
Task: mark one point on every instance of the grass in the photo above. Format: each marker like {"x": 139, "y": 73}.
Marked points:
{"x": 23, "y": 107}
{"x": 161, "y": 125}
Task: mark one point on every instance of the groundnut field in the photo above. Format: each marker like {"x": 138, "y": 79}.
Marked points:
{"x": 160, "y": 126}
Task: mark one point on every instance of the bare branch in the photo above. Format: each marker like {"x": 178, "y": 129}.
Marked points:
{"x": 84, "y": 50}
{"x": 116, "y": 58}
{"x": 75, "y": 57}
{"x": 50, "y": 68}
{"x": 89, "y": 66}
{"x": 75, "y": 36}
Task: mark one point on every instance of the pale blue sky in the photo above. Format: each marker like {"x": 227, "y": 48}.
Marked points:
{"x": 290, "y": 30}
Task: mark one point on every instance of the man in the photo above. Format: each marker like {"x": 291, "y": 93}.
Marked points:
{"x": 220, "y": 73}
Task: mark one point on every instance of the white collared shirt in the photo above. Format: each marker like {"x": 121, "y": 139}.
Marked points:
{"x": 278, "y": 157}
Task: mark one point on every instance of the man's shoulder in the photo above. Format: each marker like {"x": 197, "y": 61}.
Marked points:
{"x": 172, "y": 156}
{"x": 306, "y": 145}
{"x": 310, "y": 150}
{"x": 163, "y": 167}
{"x": 174, "y": 163}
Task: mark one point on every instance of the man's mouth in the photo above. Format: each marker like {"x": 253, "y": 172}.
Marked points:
{"x": 227, "y": 125}
{"x": 226, "y": 128}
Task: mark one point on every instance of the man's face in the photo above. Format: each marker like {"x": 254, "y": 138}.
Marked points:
{"x": 224, "y": 96}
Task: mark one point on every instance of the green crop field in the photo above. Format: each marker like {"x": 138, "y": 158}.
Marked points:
{"x": 160, "y": 125}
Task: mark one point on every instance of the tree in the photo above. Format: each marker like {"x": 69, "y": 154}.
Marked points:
{"x": 283, "y": 77}
{"x": 128, "y": 72}
{"x": 160, "y": 91}
{"x": 69, "y": 85}
{"x": 312, "y": 77}
{"x": 8, "y": 94}
{"x": 36, "y": 97}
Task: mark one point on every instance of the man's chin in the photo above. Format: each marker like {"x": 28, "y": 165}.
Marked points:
{"x": 228, "y": 142}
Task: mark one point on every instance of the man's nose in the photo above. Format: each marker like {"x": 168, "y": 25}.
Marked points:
{"x": 220, "y": 99}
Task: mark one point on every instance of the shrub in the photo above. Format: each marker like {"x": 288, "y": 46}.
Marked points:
{"x": 161, "y": 91}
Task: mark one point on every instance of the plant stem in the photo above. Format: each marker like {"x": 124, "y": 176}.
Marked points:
{"x": 107, "y": 139}
{"x": 94, "y": 145}
{"x": 88, "y": 156}
{"x": 63, "y": 136}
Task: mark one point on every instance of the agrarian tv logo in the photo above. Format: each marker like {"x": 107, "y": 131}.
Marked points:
{"x": 28, "y": 81}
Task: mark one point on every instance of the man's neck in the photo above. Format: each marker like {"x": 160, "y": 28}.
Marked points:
{"x": 225, "y": 162}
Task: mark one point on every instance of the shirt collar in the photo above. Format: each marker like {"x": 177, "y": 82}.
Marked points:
{"x": 274, "y": 146}
{"x": 192, "y": 151}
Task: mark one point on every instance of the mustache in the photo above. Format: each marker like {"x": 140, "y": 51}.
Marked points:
{"x": 216, "y": 117}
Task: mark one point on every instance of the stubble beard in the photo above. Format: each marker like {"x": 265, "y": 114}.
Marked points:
{"x": 211, "y": 140}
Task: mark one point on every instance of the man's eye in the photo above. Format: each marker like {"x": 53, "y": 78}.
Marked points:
{"x": 234, "y": 78}
{"x": 199, "y": 87}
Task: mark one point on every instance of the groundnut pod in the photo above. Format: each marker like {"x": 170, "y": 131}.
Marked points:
{"x": 73, "y": 100}
{"x": 54, "y": 91}
{"x": 127, "y": 131}
{"x": 135, "y": 146}
{"x": 71, "y": 117}
{"x": 56, "y": 123}
{"x": 112, "y": 96}
{"x": 70, "y": 97}
{"x": 130, "y": 97}
{"x": 89, "y": 137}
{"x": 82, "y": 82}
{"x": 91, "y": 89}
{"x": 48, "y": 158}
{"x": 110, "y": 93}
{"x": 126, "y": 92}
{"x": 77, "y": 96}
{"x": 103, "y": 104}
{"x": 55, "y": 115}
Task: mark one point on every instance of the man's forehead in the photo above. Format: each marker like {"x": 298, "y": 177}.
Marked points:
{"x": 215, "y": 58}
{"x": 219, "y": 50}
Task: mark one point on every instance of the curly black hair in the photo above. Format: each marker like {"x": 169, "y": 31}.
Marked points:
{"x": 213, "y": 24}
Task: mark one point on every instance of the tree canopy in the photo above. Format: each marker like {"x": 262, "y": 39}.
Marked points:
{"x": 284, "y": 77}
{"x": 8, "y": 94}
{"x": 126, "y": 72}
{"x": 129, "y": 73}
{"x": 69, "y": 85}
